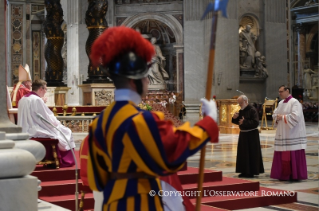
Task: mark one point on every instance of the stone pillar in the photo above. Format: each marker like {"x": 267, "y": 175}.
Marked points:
{"x": 55, "y": 40}
{"x": 17, "y": 158}
{"x": 73, "y": 50}
{"x": 180, "y": 70}
{"x": 301, "y": 34}
{"x": 5, "y": 124}
{"x": 275, "y": 33}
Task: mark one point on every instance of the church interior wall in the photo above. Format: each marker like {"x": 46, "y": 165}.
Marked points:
{"x": 195, "y": 66}
{"x": 271, "y": 43}
{"x": 256, "y": 94}
{"x": 276, "y": 46}
{"x": 226, "y": 80}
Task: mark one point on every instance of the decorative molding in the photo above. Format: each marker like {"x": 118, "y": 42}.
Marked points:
{"x": 16, "y": 37}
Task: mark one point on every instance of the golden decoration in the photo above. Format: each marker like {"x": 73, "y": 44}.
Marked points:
{"x": 55, "y": 38}
{"x": 234, "y": 109}
{"x": 16, "y": 47}
{"x": 65, "y": 108}
{"x": 55, "y": 111}
{"x": 82, "y": 114}
{"x": 73, "y": 111}
{"x": 224, "y": 113}
{"x": 96, "y": 27}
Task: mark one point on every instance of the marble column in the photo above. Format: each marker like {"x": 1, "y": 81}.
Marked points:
{"x": 301, "y": 33}
{"x": 5, "y": 124}
{"x": 180, "y": 69}
{"x": 15, "y": 162}
{"x": 73, "y": 48}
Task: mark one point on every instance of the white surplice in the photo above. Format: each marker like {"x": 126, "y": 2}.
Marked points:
{"x": 291, "y": 130}
{"x": 35, "y": 127}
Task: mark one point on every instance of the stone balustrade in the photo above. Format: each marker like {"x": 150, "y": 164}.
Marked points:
{"x": 77, "y": 124}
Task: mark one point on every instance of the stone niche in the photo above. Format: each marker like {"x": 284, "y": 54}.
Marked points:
{"x": 252, "y": 62}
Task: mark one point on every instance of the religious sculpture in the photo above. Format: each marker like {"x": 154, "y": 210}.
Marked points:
{"x": 252, "y": 63}
{"x": 157, "y": 73}
{"x": 247, "y": 48}
{"x": 55, "y": 40}
{"x": 261, "y": 70}
{"x": 307, "y": 77}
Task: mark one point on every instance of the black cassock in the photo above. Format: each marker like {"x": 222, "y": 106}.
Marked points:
{"x": 249, "y": 159}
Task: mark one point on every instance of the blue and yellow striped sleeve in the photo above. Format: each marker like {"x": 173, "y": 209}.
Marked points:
{"x": 97, "y": 171}
{"x": 159, "y": 148}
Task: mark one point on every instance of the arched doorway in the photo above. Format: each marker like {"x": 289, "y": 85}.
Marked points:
{"x": 169, "y": 34}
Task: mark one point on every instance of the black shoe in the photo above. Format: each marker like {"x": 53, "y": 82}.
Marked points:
{"x": 242, "y": 175}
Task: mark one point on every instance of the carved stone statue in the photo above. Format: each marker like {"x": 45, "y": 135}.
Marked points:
{"x": 261, "y": 70}
{"x": 307, "y": 78}
{"x": 247, "y": 48}
{"x": 157, "y": 73}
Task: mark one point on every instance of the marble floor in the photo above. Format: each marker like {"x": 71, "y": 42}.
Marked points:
{"x": 222, "y": 156}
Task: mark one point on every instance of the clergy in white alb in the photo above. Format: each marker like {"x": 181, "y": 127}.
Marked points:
{"x": 31, "y": 105}
{"x": 289, "y": 161}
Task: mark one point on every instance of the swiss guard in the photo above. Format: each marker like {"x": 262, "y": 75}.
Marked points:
{"x": 128, "y": 148}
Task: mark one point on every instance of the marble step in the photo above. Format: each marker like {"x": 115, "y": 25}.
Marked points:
{"x": 227, "y": 184}
{"x": 262, "y": 198}
{"x": 68, "y": 201}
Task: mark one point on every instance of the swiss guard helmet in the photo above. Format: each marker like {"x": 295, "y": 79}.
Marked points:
{"x": 123, "y": 51}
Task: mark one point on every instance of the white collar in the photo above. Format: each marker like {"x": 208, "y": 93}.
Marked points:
{"x": 127, "y": 95}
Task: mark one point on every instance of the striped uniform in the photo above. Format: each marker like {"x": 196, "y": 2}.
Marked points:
{"x": 127, "y": 139}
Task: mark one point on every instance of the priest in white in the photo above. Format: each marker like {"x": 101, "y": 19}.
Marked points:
{"x": 289, "y": 161}
{"x": 31, "y": 105}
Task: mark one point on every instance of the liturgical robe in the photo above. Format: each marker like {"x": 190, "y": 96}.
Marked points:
{"x": 29, "y": 106}
{"x": 22, "y": 90}
{"x": 249, "y": 158}
{"x": 290, "y": 142}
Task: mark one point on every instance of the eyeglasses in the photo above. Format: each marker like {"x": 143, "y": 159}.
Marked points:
{"x": 45, "y": 88}
{"x": 282, "y": 91}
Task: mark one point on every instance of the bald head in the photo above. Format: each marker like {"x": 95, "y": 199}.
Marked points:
{"x": 242, "y": 101}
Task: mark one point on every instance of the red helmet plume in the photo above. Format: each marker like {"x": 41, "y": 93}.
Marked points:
{"x": 116, "y": 41}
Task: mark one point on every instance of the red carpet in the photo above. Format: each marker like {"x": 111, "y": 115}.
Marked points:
{"x": 58, "y": 187}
